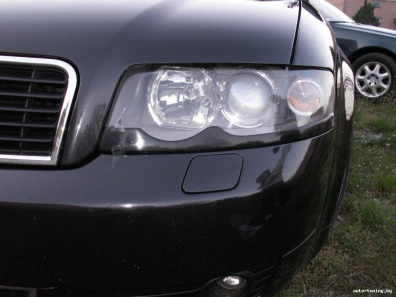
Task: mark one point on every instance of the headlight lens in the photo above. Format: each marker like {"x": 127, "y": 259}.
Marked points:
{"x": 183, "y": 98}
{"x": 248, "y": 99}
{"x": 175, "y": 103}
{"x": 305, "y": 97}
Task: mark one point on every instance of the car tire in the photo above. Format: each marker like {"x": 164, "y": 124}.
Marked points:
{"x": 374, "y": 75}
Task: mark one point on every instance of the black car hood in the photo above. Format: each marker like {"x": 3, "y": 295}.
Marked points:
{"x": 367, "y": 29}
{"x": 151, "y": 31}
{"x": 103, "y": 38}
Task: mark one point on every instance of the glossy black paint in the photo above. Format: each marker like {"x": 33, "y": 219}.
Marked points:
{"x": 122, "y": 223}
{"x": 315, "y": 44}
{"x": 129, "y": 218}
{"x": 212, "y": 173}
{"x": 104, "y": 39}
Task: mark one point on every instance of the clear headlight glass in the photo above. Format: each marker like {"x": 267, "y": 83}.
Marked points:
{"x": 183, "y": 99}
{"x": 175, "y": 103}
{"x": 247, "y": 99}
{"x": 305, "y": 97}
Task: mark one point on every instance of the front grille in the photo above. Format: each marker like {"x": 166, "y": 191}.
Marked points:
{"x": 35, "y": 99}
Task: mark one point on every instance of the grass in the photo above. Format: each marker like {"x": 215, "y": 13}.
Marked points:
{"x": 361, "y": 250}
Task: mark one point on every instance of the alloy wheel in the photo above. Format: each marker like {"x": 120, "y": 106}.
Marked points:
{"x": 373, "y": 79}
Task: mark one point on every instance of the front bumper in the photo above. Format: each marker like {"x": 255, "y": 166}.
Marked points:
{"x": 125, "y": 223}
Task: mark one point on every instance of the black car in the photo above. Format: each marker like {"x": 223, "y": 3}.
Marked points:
{"x": 167, "y": 148}
{"x": 371, "y": 50}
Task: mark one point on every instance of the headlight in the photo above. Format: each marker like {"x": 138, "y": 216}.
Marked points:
{"x": 183, "y": 98}
{"x": 305, "y": 97}
{"x": 247, "y": 97}
{"x": 174, "y": 104}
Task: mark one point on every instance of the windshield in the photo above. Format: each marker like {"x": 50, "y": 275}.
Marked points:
{"x": 331, "y": 13}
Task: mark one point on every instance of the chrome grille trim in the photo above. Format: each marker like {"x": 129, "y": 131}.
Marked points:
{"x": 71, "y": 86}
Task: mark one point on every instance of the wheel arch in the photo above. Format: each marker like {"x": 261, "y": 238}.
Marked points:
{"x": 370, "y": 50}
